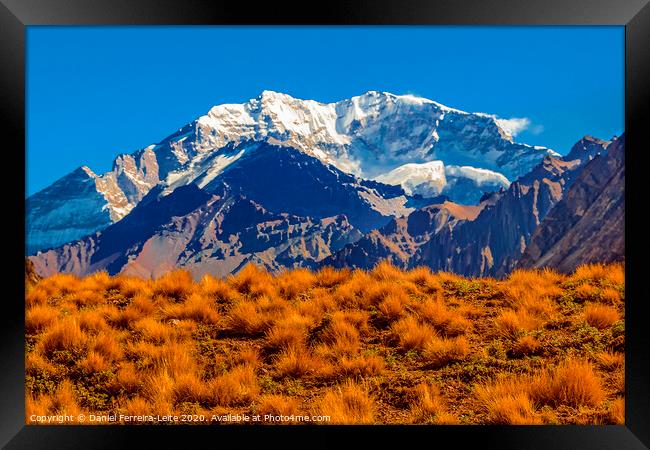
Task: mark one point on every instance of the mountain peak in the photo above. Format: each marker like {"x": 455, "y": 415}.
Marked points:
{"x": 586, "y": 148}
{"x": 87, "y": 171}
{"x": 268, "y": 95}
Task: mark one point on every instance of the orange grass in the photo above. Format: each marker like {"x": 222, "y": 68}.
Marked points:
{"x": 601, "y": 316}
{"x": 353, "y": 346}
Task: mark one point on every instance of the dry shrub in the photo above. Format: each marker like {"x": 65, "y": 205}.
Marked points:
{"x": 360, "y": 366}
{"x": 196, "y": 307}
{"x": 610, "y": 360}
{"x": 591, "y": 272}
{"x": 617, "y": 411}
{"x": 277, "y": 405}
{"x": 107, "y": 345}
{"x": 374, "y": 293}
{"x": 153, "y": 331}
{"x": 245, "y": 318}
{"x": 299, "y": 362}
{"x": 412, "y": 334}
{"x": 341, "y": 336}
{"x": 189, "y": 388}
{"x": 347, "y": 404}
{"x": 35, "y": 363}
{"x": 392, "y": 307}
{"x": 543, "y": 281}
{"x": 512, "y": 323}
{"x": 586, "y": 292}
{"x": 63, "y": 335}
{"x": 512, "y": 400}
{"x": 93, "y": 321}
{"x": 328, "y": 277}
{"x": 386, "y": 271}
{"x": 39, "y": 317}
{"x": 38, "y": 405}
{"x": 289, "y": 331}
{"x": 38, "y": 295}
{"x": 422, "y": 277}
{"x": 319, "y": 304}
{"x": 573, "y": 382}
{"x": 172, "y": 359}
{"x": 509, "y": 408}
{"x": 174, "y": 285}
{"x": 439, "y": 352}
{"x": 532, "y": 291}
{"x": 167, "y": 344}
{"x": 253, "y": 281}
{"x": 137, "y": 406}
{"x": 293, "y": 283}
{"x": 61, "y": 283}
{"x": 86, "y": 298}
{"x": 143, "y": 304}
{"x": 357, "y": 318}
{"x": 127, "y": 379}
{"x": 525, "y": 345}
{"x": 158, "y": 388}
{"x": 600, "y": 316}
{"x": 449, "y": 277}
{"x": 125, "y": 318}
{"x": 428, "y": 406}
{"x": 349, "y": 295}
{"x": 97, "y": 281}
{"x": 132, "y": 286}
{"x": 616, "y": 274}
{"x": 64, "y": 401}
{"x": 611, "y": 296}
{"x": 236, "y": 387}
{"x": 619, "y": 381}
{"x": 436, "y": 313}
{"x": 247, "y": 356}
{"x": 217, "y": 290}
{"x": 175, "y": 357}
{"x": 94, "y": 362}
{"x": 537, "y": 306}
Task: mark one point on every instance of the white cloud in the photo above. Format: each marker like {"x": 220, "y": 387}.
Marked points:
{"x": 537, "y": 129}
{"x": 515, "y": 125}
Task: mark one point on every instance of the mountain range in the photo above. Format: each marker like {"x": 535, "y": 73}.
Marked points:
{"x": 283, "y": 182}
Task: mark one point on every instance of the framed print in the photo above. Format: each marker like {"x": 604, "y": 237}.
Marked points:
{"x": 382, "y": 221}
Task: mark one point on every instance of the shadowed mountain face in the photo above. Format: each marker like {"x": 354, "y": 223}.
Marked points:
{"x": 228, "y": 223}
{"x": 484, "y": 240}
{"x": 284, "y": 179}
{"x": 400, "y": 240}
{"x": 328, "y": 217}
{"x": 282, "y": 182}
{"x": 368, "y": 136}
{"x": 588, "y": 224}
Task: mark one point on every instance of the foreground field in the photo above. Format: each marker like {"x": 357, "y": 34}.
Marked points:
{"x": 385, "y": 346}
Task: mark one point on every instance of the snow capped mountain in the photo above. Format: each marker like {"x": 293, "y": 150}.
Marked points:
{"x": 365, "y": 136}
{"x": 462, "y": 184}
{"x": 83, "y": 202}
{"x": 426, "y": 179}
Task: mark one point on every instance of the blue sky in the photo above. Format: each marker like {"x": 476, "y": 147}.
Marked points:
{"x": 95, "y": 92}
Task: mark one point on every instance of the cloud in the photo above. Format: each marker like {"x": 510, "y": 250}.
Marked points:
{"x": 537, "y": 129}
{"x": 515, "y": 125}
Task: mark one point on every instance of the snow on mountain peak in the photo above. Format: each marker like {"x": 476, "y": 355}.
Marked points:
{"x": 366, "y": 135}
{"x": 462, "y": 184}
{"x": 426, "y": 179}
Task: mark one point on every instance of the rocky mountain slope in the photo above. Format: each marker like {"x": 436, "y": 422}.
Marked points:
{"x": 588, "y": 224}
{"x": 285, "y": 183}
{"x": 487, "y": 240}
{"x": 364, "y": 136}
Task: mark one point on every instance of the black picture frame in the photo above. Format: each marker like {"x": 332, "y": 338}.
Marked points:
{"x": 16, "y": 15}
